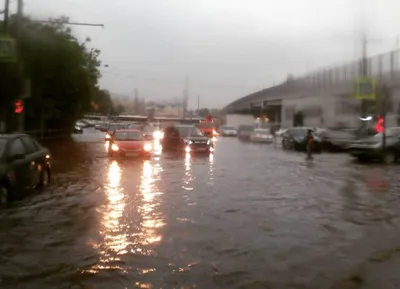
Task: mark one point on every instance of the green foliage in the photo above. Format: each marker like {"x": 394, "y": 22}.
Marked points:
{"x": 101, "y": 102}
{"x": 63, "y": 74}
{"x": 203, "y": 112}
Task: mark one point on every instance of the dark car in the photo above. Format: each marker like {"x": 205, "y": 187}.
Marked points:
{"x": 296, "y": 139}
{"x": 113, "y": 127}
{"x": 244, "y": 132}
{"x": 24, "y": 164}
{"x": 186, "y": 138}
{"x": 372, "y": 147}
{"x": 336, "y": 140}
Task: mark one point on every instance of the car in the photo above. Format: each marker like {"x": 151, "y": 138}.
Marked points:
{"x": 372, "y": 148}
{"x": 296, "y": 139}
{"x": 78, "y": 129}
{"x": 82, "y": 124}
{"x": 208, "y": 128}
{"x": 112, "y": 127}
{"x": 129, "y": 142}
{"x": 24, "y": 164}
{"x": 261, "y": 135}
{"x": 244, "y": 132}
{"x": 228, "y": 131}
{"x": 186, "y": 138}
{"x": 335, "y": 140}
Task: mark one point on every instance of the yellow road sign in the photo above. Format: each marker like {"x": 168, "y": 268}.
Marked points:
{"x": 365, "y": 88}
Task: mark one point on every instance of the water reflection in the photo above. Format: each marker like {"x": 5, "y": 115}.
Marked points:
{"x": 211, "y": 169}
{"x": 157, "y": 147}
{"x": 188, "y": 178}
{"x": 115, "y": 241}
{"x": 152, "y": 220}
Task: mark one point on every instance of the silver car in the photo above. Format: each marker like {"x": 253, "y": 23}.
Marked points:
{"x": 262, "y": 135}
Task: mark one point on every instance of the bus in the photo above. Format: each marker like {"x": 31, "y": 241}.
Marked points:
{"x": 97, "y": 118}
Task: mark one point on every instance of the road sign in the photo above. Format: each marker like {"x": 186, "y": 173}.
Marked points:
{"x": 8, "y": 50}
{"x": 365, "y": 88}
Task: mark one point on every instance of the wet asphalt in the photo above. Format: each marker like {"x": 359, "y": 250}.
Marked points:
{"x": 247, "y": 216}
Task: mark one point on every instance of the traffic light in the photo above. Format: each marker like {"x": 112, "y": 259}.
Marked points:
{"x": 379, "y": 126}
{"x": 19, "y": 106}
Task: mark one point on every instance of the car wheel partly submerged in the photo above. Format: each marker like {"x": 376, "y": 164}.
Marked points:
{"x": 5, "y": 195}
{"x": 44, "y": 177}
{"x": 389, "y": 157}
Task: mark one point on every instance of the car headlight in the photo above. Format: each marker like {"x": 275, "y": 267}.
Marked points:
{"x": 148, "y": 147}
{"x": 188, "y": 141}
{"x": 187, "y": 149}
{"x": 108, "y": 136}
{"x": 114, "y": 147}
{"x": 208, "y": 142}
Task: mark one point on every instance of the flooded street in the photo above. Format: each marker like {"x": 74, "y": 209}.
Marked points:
{"x": 248, "y": 216}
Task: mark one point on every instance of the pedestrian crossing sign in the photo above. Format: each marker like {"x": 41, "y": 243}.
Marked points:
{"x": 365, "y": 88}
{"x": 8, "y": 51}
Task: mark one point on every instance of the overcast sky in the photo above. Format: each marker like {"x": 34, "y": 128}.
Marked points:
{"x": 229, "y": 48}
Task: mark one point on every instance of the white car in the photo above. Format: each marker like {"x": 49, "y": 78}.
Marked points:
{"x": 262, "y": 135}
{"x": 228, "y": 131}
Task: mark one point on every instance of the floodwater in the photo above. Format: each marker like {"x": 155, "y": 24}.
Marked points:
{"x": 249, "y": 216}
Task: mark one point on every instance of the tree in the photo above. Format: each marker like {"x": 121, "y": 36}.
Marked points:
{"x": 101, "y": 102}
{"x": 203, "y": 112}
{"x": 63, "y": 73}
{"x": 120, "y": 109}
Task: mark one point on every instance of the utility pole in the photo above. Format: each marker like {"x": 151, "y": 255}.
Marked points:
{"x": 185, "y": 96}
{"x": 25, "y": 93}
{"x": 198, "y": 103}
{"x": 364, "y": 73}
{"x": 6, "y": 16}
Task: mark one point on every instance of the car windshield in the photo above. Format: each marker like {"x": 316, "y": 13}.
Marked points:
{"x": 189, "y": 131}
{"x": 128, "y": 135}
{"x": 299, "y": 132}
{"x": 246, "y": 128}
{"x": 262, "y": 131}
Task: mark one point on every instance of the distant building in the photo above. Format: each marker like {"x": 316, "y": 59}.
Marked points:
{"x": 164, "y": 109}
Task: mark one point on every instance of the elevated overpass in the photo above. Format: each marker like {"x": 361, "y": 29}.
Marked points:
{"x": 324, "y": 96}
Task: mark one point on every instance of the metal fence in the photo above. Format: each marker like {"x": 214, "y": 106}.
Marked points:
{"x": 378, "y": 66}
{"x": 384, "y": 67}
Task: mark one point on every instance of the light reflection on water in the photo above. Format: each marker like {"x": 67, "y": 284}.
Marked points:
{"x": 152, "y": 220}
{"x": 211, "y": 169}
{"x": 114, "y": 241}
{"x": 118, "y": 239}
{"x": 188, "y": 178}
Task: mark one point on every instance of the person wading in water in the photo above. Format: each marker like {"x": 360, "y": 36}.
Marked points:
{"x": 310, "y": 143}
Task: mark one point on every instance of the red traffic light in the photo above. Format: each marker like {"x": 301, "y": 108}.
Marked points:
{"x": 379, "y": 126}
{"x": 19, "y": 106}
